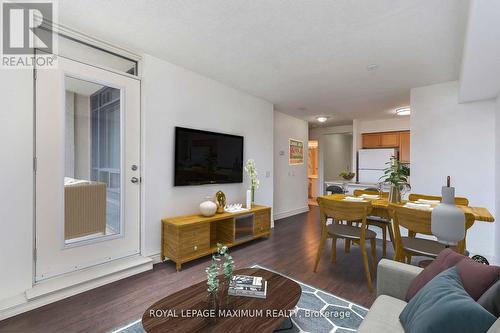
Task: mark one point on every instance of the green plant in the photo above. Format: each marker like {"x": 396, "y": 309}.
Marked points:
{"x": 212, "y": 277}
{"x": 396, "y": 174}
{"x": 228, "y": 264}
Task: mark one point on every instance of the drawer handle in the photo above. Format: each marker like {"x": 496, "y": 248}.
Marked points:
{"x": 195, "y": 247}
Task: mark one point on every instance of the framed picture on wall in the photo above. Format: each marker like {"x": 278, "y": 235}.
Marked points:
{"x": 296, "y": 151}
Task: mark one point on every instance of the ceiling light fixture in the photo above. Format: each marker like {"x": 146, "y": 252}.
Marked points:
{"x": 321, "y": 119}
{"x": 403, "y": 111}
{"x": 371, "y": 67}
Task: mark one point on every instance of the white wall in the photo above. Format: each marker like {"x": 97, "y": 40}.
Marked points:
{"x": 319, "y": 135}
{"x": 290, "y": 181}
{"x": 337, "y": 155}
{"x": 16, "y": 192}
{"x": 174, "y": 96}
{"x": 458, "y": 140}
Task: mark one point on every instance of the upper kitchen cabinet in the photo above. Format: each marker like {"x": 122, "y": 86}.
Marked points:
{"x": 404, "y": 147}
{"x": 371, "y": 140}
{"x": 399, "y": 139}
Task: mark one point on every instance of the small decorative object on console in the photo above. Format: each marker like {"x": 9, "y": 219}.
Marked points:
{"x": 251, "y": 171}
{"x": 208, "y": 207}
{"x": 221, "y": 201}
{"x": 235, "y": 208}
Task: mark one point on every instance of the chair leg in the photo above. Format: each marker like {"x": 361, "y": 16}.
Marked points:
{"x": 391, "y": 236}
{"x": 408, "y": 260}
{"x": 320, "y": 248}
{"x": 366, "y": 266}
{"x": 334, "y": 249}
{"x": 347, "y": 246}
{"x": 384, "y": 241}
{"x": 374, "y": 254}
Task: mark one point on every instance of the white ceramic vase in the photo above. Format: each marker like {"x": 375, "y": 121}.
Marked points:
{"x": 208, "y": 207}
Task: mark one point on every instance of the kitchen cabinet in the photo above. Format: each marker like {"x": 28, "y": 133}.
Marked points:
{"x": 371, "y": 140}
{"x": 404, "y": 146}
{"x": 396, "y": 139}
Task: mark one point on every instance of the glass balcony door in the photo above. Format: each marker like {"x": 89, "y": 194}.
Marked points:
{"x": 87, "y": 179}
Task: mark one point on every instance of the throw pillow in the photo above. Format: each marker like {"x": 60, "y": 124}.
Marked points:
{"x": 445, "y": 259}
{"x": 476, "y": 277}
{"x": 490, "y": 300}
{"x": 443, "y": 306}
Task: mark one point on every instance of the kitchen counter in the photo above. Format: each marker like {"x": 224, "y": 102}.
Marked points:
{"x": 351, "y": 186}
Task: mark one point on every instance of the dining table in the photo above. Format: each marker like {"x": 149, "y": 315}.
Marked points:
{"x": 381, "y": 207}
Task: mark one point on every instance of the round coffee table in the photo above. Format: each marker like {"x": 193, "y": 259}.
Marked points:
{"x": 185, "y": 310}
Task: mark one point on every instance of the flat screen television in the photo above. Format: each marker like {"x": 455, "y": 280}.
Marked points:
{"x": 203, "y": 157}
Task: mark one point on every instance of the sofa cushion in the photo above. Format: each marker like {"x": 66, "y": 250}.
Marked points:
{"x": 443, "y": 306}
{"x": 383, "y": 316}
{"x": 490, "y": 300}
{"x": 477, "y": 278}
{"x": 445, "y": 259}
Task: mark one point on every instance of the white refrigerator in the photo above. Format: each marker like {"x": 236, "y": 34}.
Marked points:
{"x": 372, "y": 162}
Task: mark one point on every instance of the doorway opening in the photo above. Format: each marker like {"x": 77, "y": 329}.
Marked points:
{"x": 312, "y": 169}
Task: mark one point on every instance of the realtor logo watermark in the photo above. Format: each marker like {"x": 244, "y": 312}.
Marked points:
{"x": 27, "y": 26}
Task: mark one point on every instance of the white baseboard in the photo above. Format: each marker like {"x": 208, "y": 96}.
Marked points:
{"x": 70, "y": 284}
{"x": 282, "y": 215}
{"x": 156, "y": 258}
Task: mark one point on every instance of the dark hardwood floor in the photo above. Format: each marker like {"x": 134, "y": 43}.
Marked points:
{"x": 290, "y": 250}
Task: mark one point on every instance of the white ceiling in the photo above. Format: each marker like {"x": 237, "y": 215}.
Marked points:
{"x": 309, "y": 58}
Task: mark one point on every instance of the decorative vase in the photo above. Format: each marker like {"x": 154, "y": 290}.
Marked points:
{"x": 448, "y": 221}
{"x": 253, "y": 195}
{"x": 221, "y": 201}
{"x": 208, "y": 207}
{"x": 394, "y": 194}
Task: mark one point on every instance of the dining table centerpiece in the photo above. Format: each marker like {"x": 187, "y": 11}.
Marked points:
{"x": 396, "y": 175}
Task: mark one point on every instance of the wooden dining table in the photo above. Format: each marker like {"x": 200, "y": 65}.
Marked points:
{"x": 380, "y": 207}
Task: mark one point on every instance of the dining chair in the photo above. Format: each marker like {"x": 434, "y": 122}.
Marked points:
{"x": 460, "y": 201}
{"x": 382, "y": 222}
{"x": 335, "y": 189}
{"x": 343, "y": 210}
{"x": 419, "y": 222}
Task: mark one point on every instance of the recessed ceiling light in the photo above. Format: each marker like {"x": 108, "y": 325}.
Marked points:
{"x": 371, "y": 67}
{"x": 403, "y": 111}
{"x": 321, "y": 119}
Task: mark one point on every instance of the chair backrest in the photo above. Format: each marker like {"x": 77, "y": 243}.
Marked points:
{"x": 415, "y": 220}
{"x": 458, "y": 200}
{"x": 419, "y": 221}
{"x": 343, "y": 210}
{"x": 357, "y": 193}
{"x": 335, "y": 189}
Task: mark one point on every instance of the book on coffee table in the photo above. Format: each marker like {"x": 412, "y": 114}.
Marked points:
{"x": 258, "y": 292}
{"x": 247, "y": 281}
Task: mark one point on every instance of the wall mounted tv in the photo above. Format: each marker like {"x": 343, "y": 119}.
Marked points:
{"x": 203, "y": 157}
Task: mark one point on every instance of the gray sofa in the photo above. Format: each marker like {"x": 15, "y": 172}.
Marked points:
{"x": 393, "y": 280}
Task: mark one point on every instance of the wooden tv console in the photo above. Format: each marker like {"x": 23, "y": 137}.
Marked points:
{"x": 185, "y": 238}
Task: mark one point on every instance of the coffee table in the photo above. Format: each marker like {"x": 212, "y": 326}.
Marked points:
{"x": 180, "y": 312}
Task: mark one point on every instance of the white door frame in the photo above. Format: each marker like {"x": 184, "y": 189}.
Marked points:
{"x": 124, "y": 170}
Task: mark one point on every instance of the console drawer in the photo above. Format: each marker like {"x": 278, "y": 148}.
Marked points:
{"x": 262, "y": 222}
{"x": 194, "y": 239}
